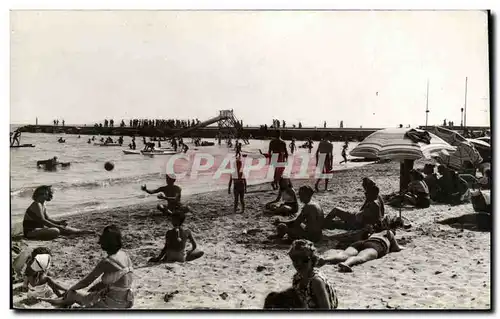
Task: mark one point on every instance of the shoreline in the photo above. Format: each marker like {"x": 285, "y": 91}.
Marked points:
{"x": 16, "y": 221}
{"x": 429, "y": 273}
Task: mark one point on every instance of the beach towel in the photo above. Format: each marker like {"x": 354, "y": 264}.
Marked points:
{"x": 417, "y": 136}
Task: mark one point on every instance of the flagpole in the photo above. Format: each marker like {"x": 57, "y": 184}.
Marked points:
{"x": 465, "y": 106}
{"x": 427, "y": 104}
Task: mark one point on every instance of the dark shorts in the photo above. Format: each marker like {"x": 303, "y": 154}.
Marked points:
{"x": 239, "y": 192}
{"x": 375, "y": 244}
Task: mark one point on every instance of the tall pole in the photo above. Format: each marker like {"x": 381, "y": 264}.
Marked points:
{"x": 427, "y": 104}
{"x": 465, "y": 105}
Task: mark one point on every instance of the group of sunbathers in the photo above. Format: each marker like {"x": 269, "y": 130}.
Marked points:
{"x": 114, "y": 290}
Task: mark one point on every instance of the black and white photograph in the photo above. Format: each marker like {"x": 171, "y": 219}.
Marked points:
{"x": 250, "y": 159}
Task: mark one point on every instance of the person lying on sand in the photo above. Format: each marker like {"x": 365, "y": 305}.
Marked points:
{"x": 114, "y": 289}
{"x": 290, "y": 206}
{"x": 170, "y": 192}
{"x": 240, "y": 187}
{"x": 36, "y": 263}
{"x": 311, "y": 215}
{"x": 175, "y": 243}
{"x": 38, "y": 225}
{"x": 311, "y": 286}
{"x": 376, "y": 246}
{"x": 369, "y": 214}
{"x": 417, "y": 193}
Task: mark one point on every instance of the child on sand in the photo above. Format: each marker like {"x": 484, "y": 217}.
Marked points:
{"x": 175, "y": 243}
{"x": 344, "y": 153}
{"x": 240, "y": 187}
{"x": 36, "y": 264}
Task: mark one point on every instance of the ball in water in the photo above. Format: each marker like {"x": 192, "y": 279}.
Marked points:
{"x": 109, "y": 166}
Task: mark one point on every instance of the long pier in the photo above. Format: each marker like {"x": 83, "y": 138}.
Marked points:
{"x": 338, "y": 134}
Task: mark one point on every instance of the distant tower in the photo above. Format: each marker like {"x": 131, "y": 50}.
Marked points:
{"x": 341, "y": 124}
{"x": 37, "y": 121}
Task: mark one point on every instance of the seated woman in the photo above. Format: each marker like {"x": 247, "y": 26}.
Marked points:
{"x": 36, "y": 263}
{"x": 170, "y": 192}
{"x": 311, "y": 215}
{"x": 289, "y": 206}
{"x": 369, "y": 214}
{"x": 366, "y": 183}
{"x": 311, "y": 286}
{"x": 38, "y": 225}
{"x": 114, "y": 289}
{"x": 175, "y": 243}
{"x": 417, "y": 193}
{"x": 376, "y": 246}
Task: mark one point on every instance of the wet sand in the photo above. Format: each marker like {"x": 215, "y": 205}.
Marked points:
{"x": 440, "y": 267}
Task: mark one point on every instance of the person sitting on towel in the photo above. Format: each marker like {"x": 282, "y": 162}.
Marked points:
{"x": 369, "y": 214}
{"x": 175, "y": 243}
{"x": 114, "y": 290}
{"x": 376, "y": 246}
{"x": 431, "y": 180}
{"x": 290, "y": 205}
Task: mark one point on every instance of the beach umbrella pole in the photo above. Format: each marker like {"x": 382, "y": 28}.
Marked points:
{"x": 404, "y": 176}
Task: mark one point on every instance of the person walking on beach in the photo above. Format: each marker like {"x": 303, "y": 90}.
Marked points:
{"x": 277, "y": 146}
{"x": 292, "y": 146}
{"x": 324, "y": 153}
{"x": 344, "y": 152}
{"x": 38, "y": 225}
{"x": 238, "y": 148}
{"x": 240, "y": 186}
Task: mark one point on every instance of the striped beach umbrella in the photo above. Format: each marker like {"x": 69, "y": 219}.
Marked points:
{"x": 465, "y": 152}
{"x": 392, "y": 143}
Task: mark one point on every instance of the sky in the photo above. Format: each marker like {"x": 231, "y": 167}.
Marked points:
{"x": 366, "y": 68}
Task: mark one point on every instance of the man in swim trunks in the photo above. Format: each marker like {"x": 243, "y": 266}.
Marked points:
{"x": 171, "y": 192}
{"x": 278, "y": 146}
{"x": 376, "y": 246}
{"x": 292, "y": 146}
{"x": 324, "y": 152}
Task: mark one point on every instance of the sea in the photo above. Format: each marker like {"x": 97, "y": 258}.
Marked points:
{"x": 85, "y": 186}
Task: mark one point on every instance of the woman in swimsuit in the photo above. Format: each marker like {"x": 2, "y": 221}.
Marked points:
{"x": 38, "y": 225}
{"x": 175, "y": 243}
{"x": 376, "y": 246}
{"x": 114, "y": 290}
{"x": 311, "y": 286}
{"x": 290, "y": 205}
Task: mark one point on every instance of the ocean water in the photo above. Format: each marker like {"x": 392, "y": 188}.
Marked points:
{"x": 86, "y": 186}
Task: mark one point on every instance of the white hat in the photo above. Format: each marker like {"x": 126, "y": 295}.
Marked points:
{"x": 41, "y": 262}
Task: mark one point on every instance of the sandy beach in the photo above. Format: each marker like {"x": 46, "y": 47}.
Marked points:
{"x": 441, "y": 267}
